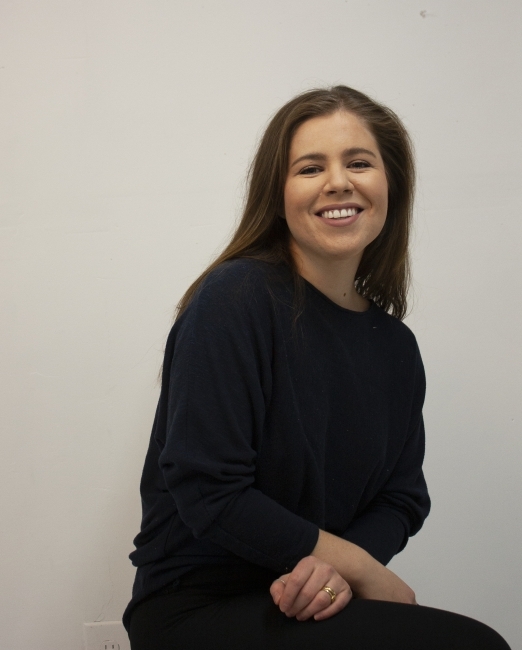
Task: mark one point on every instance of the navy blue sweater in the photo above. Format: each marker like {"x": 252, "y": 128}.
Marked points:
{"x": 269, "y": 428}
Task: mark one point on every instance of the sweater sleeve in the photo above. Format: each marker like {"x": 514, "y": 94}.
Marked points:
{"x": 401, "y": 506}
{"x": 219, "y": 387}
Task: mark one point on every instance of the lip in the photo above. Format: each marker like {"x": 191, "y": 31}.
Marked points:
{"x": 342, "y": 221}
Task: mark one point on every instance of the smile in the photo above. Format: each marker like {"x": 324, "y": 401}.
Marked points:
{"x": 331, "y": 212}
{"x": 339, "y": 214}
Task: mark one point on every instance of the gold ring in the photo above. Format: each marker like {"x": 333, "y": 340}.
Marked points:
{"x": 330, "y": 592}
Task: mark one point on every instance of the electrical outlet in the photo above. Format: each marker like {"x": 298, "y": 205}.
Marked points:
{"x": 107, "y": 635}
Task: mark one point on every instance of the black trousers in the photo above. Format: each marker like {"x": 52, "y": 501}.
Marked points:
{"x": 217, "y": 608}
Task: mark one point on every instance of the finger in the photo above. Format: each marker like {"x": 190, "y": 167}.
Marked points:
{"x": 342, "y": 599}
{"x": 308, "y": 591}
{"x": 293, "y": 599}
{"x": 277, "y": 588}
{"x": 297, "y": 596}
{"x": 322, "y": 606}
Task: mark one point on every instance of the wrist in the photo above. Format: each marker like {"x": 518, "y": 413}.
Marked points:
{"x": 352, "y": 562}
{"x": 362, "y": 566}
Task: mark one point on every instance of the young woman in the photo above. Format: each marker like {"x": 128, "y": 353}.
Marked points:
{"x": 285, "y": 464}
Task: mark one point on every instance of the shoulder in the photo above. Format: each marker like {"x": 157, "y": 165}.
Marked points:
{"x": 400, "y": 338}
{"x": 398, "y": 346}
{"x": 240, "y": 287}
{"x": 395, "y": 327}
{"x": 238, "y": 276}
{"x": 228, "y": 320}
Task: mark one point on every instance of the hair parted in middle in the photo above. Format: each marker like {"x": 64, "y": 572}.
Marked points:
{"x": 384, "y": 272}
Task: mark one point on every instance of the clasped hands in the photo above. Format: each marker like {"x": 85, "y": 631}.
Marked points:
{"x": 301, "y": 593}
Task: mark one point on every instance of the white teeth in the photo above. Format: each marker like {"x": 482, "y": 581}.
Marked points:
{"x": 339, "y": 214}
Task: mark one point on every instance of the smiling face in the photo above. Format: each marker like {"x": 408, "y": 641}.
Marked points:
{"x": 336, "y": 192}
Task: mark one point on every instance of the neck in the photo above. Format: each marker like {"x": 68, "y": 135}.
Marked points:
{"x": 334, "y": 278}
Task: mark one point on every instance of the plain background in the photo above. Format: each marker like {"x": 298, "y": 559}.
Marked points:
{"x": 127, "y": 127}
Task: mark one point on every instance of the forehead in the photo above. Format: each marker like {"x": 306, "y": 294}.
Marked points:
{"x": 339, "y": 130}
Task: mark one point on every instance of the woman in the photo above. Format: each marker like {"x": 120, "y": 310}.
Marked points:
{"x": 285, "y": 464}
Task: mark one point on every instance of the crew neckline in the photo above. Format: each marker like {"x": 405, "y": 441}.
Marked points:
{"x": 345, "y": 310}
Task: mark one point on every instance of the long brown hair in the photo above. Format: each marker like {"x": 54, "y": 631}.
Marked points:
{"x": 384, "y": 271}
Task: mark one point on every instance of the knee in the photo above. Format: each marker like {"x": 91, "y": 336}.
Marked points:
{"x": 479, "y": 636}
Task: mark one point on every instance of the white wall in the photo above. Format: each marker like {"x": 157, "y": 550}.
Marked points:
{"x": 126, "y": 131}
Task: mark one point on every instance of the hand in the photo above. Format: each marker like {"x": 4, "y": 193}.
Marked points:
{"x": 300, "y": 593}
{"x": 368, "y": 578}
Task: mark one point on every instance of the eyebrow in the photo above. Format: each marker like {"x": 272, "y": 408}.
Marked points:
{"x": 346, "y": 153}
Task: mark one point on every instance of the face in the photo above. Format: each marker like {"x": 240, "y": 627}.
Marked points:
{"x": 336, "y": 192}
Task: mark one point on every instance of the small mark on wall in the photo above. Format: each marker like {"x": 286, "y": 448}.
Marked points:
{"x": 424, "y": 13}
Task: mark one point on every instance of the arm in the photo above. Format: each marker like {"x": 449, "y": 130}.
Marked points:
{"x": 401, "y": 505}
{"x": 399, "y": 509}
{"x": 219, "y": 383}
{"x": 382, "y": 529}
{"x": 343, "y": 566}
{"x": 367, "y": 577}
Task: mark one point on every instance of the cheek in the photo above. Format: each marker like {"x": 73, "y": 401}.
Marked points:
{"x": 293, "y": 200}
{"x": 288, "y": 200}
{"x": 385, "y": 204}
{"x": 382, "y": 199}
{"x": 300, "y": 197}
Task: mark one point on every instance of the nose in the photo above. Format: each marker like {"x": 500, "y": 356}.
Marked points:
{"x": 338, "y": 181}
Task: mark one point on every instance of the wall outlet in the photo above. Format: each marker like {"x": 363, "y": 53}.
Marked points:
{"x": 107, "y": 635}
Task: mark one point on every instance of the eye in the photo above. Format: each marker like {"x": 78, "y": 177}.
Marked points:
{"x": 359, "y": 164}
{"x": 311, "y": 169}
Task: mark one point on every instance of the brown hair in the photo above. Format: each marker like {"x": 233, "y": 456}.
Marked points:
{"x": 384, "y": 273}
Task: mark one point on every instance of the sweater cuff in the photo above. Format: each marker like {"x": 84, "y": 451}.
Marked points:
{"x": 380, "y": 533}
